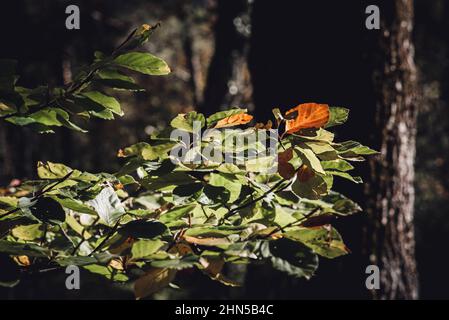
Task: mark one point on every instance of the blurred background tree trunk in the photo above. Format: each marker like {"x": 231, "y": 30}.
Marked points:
{"x": 390, "y": 233}
{"x": 228, "y": 83}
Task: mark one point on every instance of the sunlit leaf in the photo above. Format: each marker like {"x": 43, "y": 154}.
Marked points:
{"x": 324, "y": 240}
{"x": 143, "y": 62}
{"x": 108, "y": 206}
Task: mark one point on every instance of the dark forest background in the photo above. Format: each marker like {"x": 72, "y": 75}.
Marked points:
{"x": 258, "y": 54}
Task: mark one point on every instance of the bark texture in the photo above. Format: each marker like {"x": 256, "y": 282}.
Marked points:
{"x": 391, "y": 190}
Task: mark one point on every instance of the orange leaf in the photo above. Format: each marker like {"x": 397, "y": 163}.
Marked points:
{"x": 23, "y": 260}
{"x": 261, "y": 125}
{"x": 206, "y": 241}
{"x": 310, "y": 115}
{"x": 234, "y": 120}
{"x": 116, "y": 264}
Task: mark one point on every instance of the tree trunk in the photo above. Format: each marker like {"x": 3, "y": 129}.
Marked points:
{"x": 391, "y": 192}
{"x": 228, "y": 82}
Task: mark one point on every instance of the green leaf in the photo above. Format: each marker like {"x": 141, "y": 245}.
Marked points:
{"x": 345, "y": 175}
{"x": 74, "y": 205}
{"x": 314, "y": 188}
{"x": 77, "y": 227}
{"x": 352, "y": 149}
{"x": 28, "y": 232}
{"x": 229, "y": 168}
{"x": 143, "y": 62}
{"x": 229, "y": 182}
{"x": 214, "y": 232}
{"x": 313, "y": 134}
{"x": 159, "y": 168}
{"x": 48, "y": 210}
{"x": 144, "y": 248}
{"x": 324, "y": 240}
{"x": 46, "y": 117}
{"x": 341, "y": 205}
{"x": 214, "y": 195}
{"x": 247, "y": 249}
{"x": 187, "y": 261}
{"x": 339, "y": 164}
{"x": 291, "y": 257}
{"x": 8, "y": 203}
{"x": 211, "y": 120}
{"x": 310, "y": 159}
{"x": 114, "y": 79}
{"x": 54, "y": 117}
{"x": 176, "y": 213}
{"x": 103, "y": 257}
{"x": 169, "y": 180}
{"x": 185, "y": 121}
{"x": 287, "y": 198}
{"x": 86, "y": 107}
{"x": 21, "y": 121}
{"x": 338, "y": 115}
{"x": 6, "y": 108}
{"x": 262, "y": 165}
{"x": 50, "y": 170}
{"x": 147, "y": 151}
{"x": 26, "y": 249}
{"x": 104, "y": 101}
{"x": 108, "y": 206}
{"x": 187, "y": 192}
{"x": 319, "y": 147}
{"x": 109, "y": 273}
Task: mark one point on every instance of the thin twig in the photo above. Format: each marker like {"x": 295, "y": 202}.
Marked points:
{"x": 235, "y": 210}
{"x": 45, "y": 190}
{"x": 291, "y": 224}
{"x": 39, "y": 194}
{"x": 109, "y": 235}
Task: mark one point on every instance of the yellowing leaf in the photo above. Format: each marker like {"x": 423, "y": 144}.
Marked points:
{"x": 206, "y": 241}
{"x": 234, "y": 120}
{"x": 117, "y": 264}
{"x": 29, "y": 232}
{"x": 154, "y": 280}
{"x": 22, "y": 260}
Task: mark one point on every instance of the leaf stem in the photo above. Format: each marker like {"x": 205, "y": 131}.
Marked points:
{"x": 39, "y": 194}
{"x": 291, "y": 224}
{"x": 235, "y": 210}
